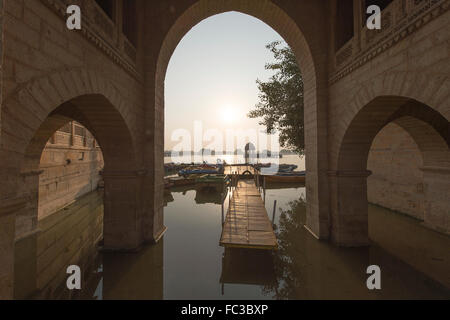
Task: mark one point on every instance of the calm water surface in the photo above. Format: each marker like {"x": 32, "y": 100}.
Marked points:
{"x": 286, "y": 159}
{"x": 188, "y": 262}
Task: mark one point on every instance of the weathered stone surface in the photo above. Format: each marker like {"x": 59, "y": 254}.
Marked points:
{"x": 97, "y": 77}
{"x": 61, "y": 181}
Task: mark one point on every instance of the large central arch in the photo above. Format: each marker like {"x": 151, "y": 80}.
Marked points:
{"x": 309, "y": 41}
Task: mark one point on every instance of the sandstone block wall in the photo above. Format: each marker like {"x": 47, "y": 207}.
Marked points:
{"x": 119, "y": 89}
{"x": 46, "y": 66}
{"x": 70, "y": 167}
{"x": 410, "y": 68}
{"x": 396, "y": 181}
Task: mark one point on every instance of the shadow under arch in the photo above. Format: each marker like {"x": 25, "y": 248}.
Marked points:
{"x": 122, "y": 210}
{"x": 313, "y": 65}
{"x": 23, "y": 112}
{"x": 428, "y": 128}
{"x": 98, "y": 115}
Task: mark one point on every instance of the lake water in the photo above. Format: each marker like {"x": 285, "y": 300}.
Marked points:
{"x": 188, "y": 262}
{"x": 237, "y": 159}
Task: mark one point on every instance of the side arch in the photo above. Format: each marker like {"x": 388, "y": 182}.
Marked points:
{"x": 36, "y": 110}
{"x": 429, "y": 129}
{"x": 26, "y": 109}
{"x": 430, "y": 89}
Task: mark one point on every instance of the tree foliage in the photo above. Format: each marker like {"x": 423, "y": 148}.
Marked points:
{"x": 281, "y": 99}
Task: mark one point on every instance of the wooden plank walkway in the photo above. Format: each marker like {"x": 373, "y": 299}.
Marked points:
{"x": 247, "y": 224}
{"x": 239, "y": 169}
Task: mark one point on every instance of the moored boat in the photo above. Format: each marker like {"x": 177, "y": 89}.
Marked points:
{"x": 167, "y": 183}
{"x": 189, "y": 171}
{"x": 291, "y": 177}
{"x": 182, "y": 181}
{"x": 212, "y": 178}
{"x": 201, "y": 169}
{"x": 216, "y": 181}
{"x": 287, "y": 167}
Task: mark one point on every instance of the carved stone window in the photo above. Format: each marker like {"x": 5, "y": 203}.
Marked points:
{"x": 381, "y": 3}
{"x": 107, "y": 6}
{"x": 129, "y": 27}
{"x": 344, "y": 22}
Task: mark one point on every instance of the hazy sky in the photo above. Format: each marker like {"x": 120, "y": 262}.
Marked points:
{"x": 212, "y": 74}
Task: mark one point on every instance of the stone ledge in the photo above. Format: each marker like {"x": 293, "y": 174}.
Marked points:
{"x": 311, "y": 232}
{"x": 160, "y": 235}
{"x": 32, "y": 173}
{"x": 435, "y": 169}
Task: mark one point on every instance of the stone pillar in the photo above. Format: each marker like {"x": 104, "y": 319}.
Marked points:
{"x": 317, "y": 184}
{"x": 129, "y": 220}
{"x": 349, "y": 217}
{"x": 154, "y": 227}
{"x": 8, "y": 210}
{"x": 27, "y": 218}
{"x": 436, "y": 181}
{"x": 122, "y": 213}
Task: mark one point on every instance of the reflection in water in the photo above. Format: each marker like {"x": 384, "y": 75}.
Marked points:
{"x": 67, "y": 237}
{"x": 247, "y": 266}
{"x": 189, "y": 264}
{"x": 310, "y": 269}
{"x": 134, "y": 275}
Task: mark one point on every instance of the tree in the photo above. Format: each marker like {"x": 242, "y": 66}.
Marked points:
{"x": 281, "y": 99}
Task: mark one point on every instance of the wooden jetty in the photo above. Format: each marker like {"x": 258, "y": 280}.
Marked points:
{"x": 240, "y": 170}
{"x": 247, "y": 224}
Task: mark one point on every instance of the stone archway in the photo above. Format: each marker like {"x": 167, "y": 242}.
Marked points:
{"x": 309, "y": 41}
{"x": 430, "y": 131}
{"x": 29, "y": 116}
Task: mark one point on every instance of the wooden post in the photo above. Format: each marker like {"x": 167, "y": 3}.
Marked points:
{"x": 223, "y": 201}
{"x": 274, "y": 210}
{"x": 259, "y": 181}
{"x": 264, "y": 189}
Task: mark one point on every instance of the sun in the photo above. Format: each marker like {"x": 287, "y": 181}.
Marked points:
{"x": 229, "y": 114}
